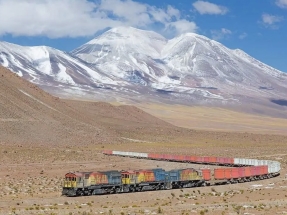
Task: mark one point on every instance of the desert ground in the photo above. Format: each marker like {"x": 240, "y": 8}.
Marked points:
{"x": 43, "y": 137}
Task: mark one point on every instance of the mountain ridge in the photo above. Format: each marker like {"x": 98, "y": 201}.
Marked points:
{"x": 131, "y": 64}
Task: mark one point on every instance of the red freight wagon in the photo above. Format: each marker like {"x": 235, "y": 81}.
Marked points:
{"x": 235, "y": 173}
{"x": 191, "y": 159}
{"x": 220, "y": 160}
{"x": 228, "y": 173}
{"x": 206, "y": 174}
{"x": 228, "y": 160}
{"x": 212, "y": 159}
{"x": 241, "y": 172}
{"x": 199, "y": 159}
{"x": 176, "y": 157}
{"x": 247, "y": 171}
{"x": 181, "y": 157}
{"x": 108, "y": 152}
{"x": 151, "y": 155}
{"x": 186, "y": 158}
{"x": 255, "y": 170}
{"x": 263, "y": 170}
{"x": 171, "y": 157}
{"x": 219, "y": 174}
{"x": 231, "y": 160}
{"x": 206, "y": 159}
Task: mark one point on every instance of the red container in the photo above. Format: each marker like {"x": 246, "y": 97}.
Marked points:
{"x": 200, "y": 159}
{"x": 182, "y": 158}
{"x": 247, "y": 171}
{"x": 151, "y": 155}
{"x": 171, "y": 157}
{"x": 256, "y": 170}
{"x": 164, "y": 156}
{"x": 206, "y": 159}
{"x": 219, "y": 174}
{"x": 228, "y": 173}
{"x": 235, "y": 173}
{"x": 185, "y": 158}
{"x": 206, "y": 174}
{"x": 192, "y": 158}
{"x": 228, "y": 160}
{"x": 220, "y": 160}
{"x": 212, "y": 159}
{"x": 108, "y": 152}
{"x": 241, "y": 172}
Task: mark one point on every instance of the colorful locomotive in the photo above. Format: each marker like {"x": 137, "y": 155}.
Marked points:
{"x": 93, "y": 183}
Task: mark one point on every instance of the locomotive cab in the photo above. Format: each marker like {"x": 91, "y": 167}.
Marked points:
{"x": 72, "y": 182}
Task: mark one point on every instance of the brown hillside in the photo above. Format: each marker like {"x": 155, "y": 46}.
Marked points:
{"x": 30, "y": 115}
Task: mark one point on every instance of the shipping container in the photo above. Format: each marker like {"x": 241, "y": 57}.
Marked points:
{"x": 219, "y": 174}
{"x": 206, "y": 159}
{"x": 264, "y": 170}
{"x": 241, "y": 172}
{"x": 212, "y": 159}
{"x": 235, "y": 173}
{"x": 255, "y": 170}
{"x": 228, "y": 173}
{"x": 108, "y": 152}
{"x": 206, "y": 174}
{"x": 191, "y": 159}
{"x": 247, "y": 171}
{"x": 199, "y": 159}
{"x": 229, "y": 160}
{"x": 220, "y": 160}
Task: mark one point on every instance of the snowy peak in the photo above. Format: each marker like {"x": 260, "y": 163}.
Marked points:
{"x": 121, "y": 41}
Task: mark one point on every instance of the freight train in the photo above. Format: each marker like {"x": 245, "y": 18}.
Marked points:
{"x": 107, "y": 182}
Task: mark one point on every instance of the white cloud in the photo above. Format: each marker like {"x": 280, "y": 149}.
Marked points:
{"x": 270, "y": 20}
{"x": 282, "y": 3}
{"x": 181, "y": 26}
{"x": 75, "y": 18}
{"x": 220, "y": 34}
{"x": 204, "y": 7}
{"x": 243, "y": 35}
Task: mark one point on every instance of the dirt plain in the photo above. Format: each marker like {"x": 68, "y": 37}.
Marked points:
{"x": 43, "y": 137}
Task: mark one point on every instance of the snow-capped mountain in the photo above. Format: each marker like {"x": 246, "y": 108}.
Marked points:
{"x": 47, "y": 66}
{"x": 137, "y": 64}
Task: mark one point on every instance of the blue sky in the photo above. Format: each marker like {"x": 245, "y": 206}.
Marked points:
{"x": 258, "y": 27}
